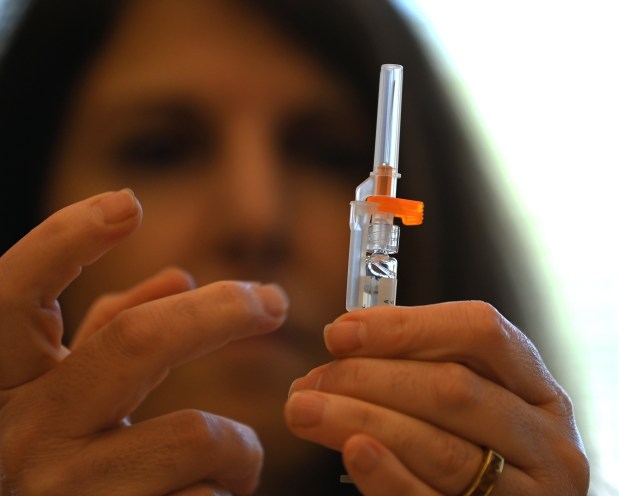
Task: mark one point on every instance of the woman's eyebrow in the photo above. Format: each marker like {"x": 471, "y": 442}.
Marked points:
{"x": 181, "y": 109}
{"x": 137, "y": 110}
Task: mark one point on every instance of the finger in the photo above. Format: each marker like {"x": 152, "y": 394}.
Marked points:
{"x": 472, "y": 333}
{"x": 427, "y": 452}
{"x": 128, "y": 357}
{"x": 43, "y": 263}
{"x": 35, "y": 270}
{"x": 376, "y": 471}
{"x": 167, "y": 282}
{"x": 447, "y": 395}
{"x": 202, "y": 489}
{"x": 443, "y": 461}
{"x": 172, "y": 452}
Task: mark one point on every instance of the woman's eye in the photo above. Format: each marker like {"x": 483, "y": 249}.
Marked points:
{"x": 160, "y": 151}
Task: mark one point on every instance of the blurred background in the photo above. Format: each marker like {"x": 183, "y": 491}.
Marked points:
{"x": 538, "y": 83}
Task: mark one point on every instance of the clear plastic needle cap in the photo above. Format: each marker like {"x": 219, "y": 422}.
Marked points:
{"x": 388, "y": 116}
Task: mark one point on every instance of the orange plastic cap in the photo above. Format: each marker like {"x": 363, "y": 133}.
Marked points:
{"x": 410, "y": 211}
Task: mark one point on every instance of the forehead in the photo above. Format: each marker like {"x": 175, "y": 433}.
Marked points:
{"x": 208, "y": 47}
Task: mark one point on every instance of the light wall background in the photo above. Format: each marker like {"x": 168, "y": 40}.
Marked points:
{"x": 539, "y": 83}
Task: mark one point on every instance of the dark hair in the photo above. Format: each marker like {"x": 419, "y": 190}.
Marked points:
{"x": 42, "y": 59}
{"x": 458, "y": 254}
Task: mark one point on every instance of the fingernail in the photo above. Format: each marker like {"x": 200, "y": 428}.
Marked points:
{"x": 305, "y": 409}
{"x": 343, "y": 337}
{"x": 294, "y": 386}
{"x": 310, "y": 381}
{"x": 118, "y": 206}
{"x": 273, "y": 298}
{"x": 365, "y": 456}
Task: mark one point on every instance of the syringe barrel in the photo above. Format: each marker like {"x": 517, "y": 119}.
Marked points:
{"x": 360, "y": 214}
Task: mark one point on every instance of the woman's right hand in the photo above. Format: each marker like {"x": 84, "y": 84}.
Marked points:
{"x": 63, "y": 414}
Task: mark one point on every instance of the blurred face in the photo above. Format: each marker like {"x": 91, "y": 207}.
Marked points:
{"x": 238, "y": 144}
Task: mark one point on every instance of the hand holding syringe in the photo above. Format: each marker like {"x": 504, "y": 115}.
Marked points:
{"x": 374, "y": 402}
{"x": 372, "y": 271}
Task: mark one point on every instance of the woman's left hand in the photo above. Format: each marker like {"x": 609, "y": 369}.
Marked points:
{"x": 416, "y": 394}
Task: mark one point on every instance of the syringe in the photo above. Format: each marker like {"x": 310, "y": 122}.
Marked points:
{"x": 372, "y": 271}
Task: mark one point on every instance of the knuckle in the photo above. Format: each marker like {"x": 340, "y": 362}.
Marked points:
{"x": 574, "y": 463}
{"x": 451, "y": 455}
{"x": 186, "y": 308}
{"x": 134, "y": 333}
{"x": 247, "y": 441}
{"x": 485, "y": 314}
{"x": 365, "y": 420}
{"x": 195, "y": 429}
{"x": 202, "y": 432}
{"x": 580, "y": 470}
{"x": 230, "y": 292}
{"x": 455, "y": 387}
{"x": 564, "y": 403}
{"x": 485, "y": 322}
{"x": 234, "y": 299}
{"x": 398, "y": 337}
{"x": 21, "y": 474}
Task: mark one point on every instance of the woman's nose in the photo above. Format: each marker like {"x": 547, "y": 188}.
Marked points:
{"x": 253, "y": 175}
{"x": 251, "y": 196}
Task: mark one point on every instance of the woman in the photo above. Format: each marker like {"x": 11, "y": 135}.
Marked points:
{"x": 243, "y": 129}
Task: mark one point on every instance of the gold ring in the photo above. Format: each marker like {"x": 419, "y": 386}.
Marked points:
{"x": 489, "y": 472}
